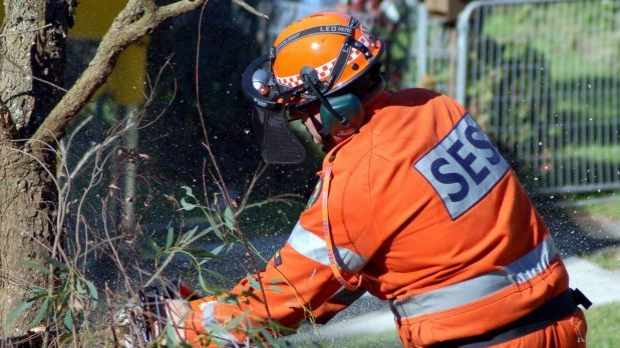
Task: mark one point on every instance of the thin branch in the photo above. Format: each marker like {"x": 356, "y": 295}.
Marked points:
{"x": 128, "y": 27}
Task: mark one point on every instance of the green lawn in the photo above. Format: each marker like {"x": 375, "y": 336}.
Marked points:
{"x": 604, "y": 326}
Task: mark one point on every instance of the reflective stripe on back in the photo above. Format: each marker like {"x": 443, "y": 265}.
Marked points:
{"x": 313, "y": 247}
{"x": 474, "y": 289}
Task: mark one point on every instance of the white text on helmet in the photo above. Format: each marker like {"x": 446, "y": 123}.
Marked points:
{"x": 336, "y": 29}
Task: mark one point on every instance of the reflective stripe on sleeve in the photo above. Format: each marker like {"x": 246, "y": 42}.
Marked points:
{"x": 313, "y": 247}
{"x": 474, "y": 289}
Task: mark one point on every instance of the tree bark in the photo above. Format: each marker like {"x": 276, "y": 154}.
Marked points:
{"x": 26, "y": 226}
{"x": 32, "y": 69}
{"x": 34, "y": 112}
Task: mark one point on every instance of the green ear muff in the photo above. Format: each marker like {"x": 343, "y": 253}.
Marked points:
{"x": 349, "y": 106}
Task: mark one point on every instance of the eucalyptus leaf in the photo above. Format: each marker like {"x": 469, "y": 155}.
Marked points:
{"x": 188, "y": 191}
{"x": 68, "y": 321}
{"x": 275, "y": 289}
{"x": 41, "y": 312}
{"x": 17, "y": 311}
{"x": 36, "y": 266}
{"x": 186, "y": 205}
{"x": 169, "y": 237}
{"x": 218, "y": 249}
{"x": 256, "y": 285}
{"x": 269, "y": 337}
{"x": 61, "y": 266}
{"x": 229, "y": 218}
{"x": 92, "y": 291}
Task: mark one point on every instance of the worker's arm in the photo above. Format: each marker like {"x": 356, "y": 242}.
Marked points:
{"x": 292, "y": 288}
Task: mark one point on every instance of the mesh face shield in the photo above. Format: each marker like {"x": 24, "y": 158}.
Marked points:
{"x": 278, "y": 143}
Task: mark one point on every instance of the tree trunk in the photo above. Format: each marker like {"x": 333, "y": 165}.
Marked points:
{"x": 32, "y": 69}
{"x": 33, "y": 116}
{"x": 26, "y": 227}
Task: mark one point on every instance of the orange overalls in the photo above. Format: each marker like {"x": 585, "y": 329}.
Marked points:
{"x": 422, "y": 207}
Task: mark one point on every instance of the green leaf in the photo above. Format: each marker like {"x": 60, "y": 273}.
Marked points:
{"x": 42, "y": 311}
{"x": 61, "y": 266}
{"x": 218, "y": 249}
{"x": 199, "y": 253}
{"x": 151, "y": 242}
{"x": 79, "y": 287}
{"x": 218, "y": 234}
{"x": 186, "y": 205}
{"x": 17, "y": 311}
{"x": 188, "y": 191}
{"x": 235, "y": 322}
{"x": 229, "y": 218}
{"x": 68, "y": 321}
{"x": 201, "y": 281}
{"x": 92, "y": 291}
{"x": 187, "y": 236}
{"x": 254, "y": 283}
{"x": 36, "y": 266}
{"x": 275, "y": 289}
{"x": 269, "y": 337}
{"x": 170, "y": 332}
{"x": 169, "y": 237}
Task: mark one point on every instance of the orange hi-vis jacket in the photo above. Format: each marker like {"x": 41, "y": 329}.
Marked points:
{"x": 423, "y": 209}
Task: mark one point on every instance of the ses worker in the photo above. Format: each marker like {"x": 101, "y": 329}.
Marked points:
{"x": 414, "y": 204}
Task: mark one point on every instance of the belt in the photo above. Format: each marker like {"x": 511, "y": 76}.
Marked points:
{"x": 550, "y": 312}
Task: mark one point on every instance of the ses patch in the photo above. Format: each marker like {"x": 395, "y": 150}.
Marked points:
{"x": 277, "y": 259}
{"x": 463, "y": 167}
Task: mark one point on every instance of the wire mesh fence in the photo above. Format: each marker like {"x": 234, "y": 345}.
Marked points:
{"x": 543, "y": 77}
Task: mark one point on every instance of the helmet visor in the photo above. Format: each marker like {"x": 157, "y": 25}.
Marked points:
{"x": 277, "y": 142}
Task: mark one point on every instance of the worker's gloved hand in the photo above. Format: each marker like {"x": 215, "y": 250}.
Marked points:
{"x": 169, "y": 319}
{"x": 183, "y": 324}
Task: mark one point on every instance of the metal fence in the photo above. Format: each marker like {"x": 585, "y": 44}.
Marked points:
{"x": 543, "y": 77}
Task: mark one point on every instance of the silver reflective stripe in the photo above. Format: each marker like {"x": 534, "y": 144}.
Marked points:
{"x": 313, "y": 247}
{"x": 451, "y": 296}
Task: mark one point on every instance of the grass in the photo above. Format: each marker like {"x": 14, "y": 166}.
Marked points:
{"x": 604, "y": 321}
{"x": 608, "y": 258}
{"x": 609, "y": 209}
{"x": 603, "y": 324}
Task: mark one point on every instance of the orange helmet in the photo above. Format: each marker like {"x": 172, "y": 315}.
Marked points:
{"x": 337, "y": 46}
{"x": 313, "y": 61}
